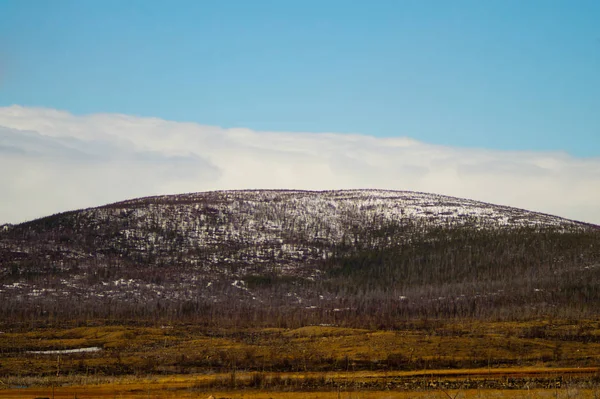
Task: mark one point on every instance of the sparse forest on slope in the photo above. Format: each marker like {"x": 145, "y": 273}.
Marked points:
{"x": 297, "y": 257}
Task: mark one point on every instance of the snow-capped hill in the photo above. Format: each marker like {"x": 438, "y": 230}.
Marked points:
{"x": 272, "y": 215}
{"x": 228, "y": 244}
{"x": 286, "y": 227}
{"x": 334, "y": 205}
{"x": 253, "y": 227}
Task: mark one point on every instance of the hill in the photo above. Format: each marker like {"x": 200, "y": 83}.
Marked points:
{"x": 354, "y": 256}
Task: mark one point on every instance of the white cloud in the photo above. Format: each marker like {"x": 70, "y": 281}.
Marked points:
{"x": 53, "y": 161}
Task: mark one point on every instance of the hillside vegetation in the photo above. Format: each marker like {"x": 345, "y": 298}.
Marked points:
{"x": 362, "y": 258}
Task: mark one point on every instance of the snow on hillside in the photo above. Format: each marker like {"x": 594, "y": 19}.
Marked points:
{"x": 253, "y": 227}
{"x": 223, "y": 236}
{"x": 334, "y": 205}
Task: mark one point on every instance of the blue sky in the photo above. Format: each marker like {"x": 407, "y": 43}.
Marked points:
{"x": 492, "y": 100}
{"x": 503, "y": 74}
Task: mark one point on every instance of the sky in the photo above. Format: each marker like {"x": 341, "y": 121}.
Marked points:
{"x": 491, "y": 100}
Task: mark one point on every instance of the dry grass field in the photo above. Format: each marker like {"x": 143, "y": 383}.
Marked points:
{"x": 193, "y": 387}
{"x": 425, "y": 359}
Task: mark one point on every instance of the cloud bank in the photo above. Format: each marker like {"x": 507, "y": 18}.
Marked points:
{"x": 53, "y": 161}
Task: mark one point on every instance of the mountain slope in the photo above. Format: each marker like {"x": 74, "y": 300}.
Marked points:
{"x": 294, "y": 249}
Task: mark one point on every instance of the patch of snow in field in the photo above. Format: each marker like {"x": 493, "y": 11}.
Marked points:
{"x": 66, "y": 351}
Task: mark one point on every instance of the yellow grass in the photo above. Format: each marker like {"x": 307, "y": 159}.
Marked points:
{"x": 145, "y": 349}
{"x": 200, "y": 362}
{"x": 188, "y": 387}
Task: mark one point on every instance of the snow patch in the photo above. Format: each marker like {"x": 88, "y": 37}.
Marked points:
{"x": 67, "y": 351}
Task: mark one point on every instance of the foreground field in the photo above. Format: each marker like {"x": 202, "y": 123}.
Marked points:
{"x": 184, "y": 349}
{"x": 343, "y": 386}
{"x": 425, "y": 359}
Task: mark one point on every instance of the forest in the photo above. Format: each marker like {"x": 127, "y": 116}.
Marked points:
{"x": 381, "y": 276}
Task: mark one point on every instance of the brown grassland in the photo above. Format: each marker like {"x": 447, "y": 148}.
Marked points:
{"x": 420, "y": 359}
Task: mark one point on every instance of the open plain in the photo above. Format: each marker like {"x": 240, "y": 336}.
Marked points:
{"x": 424, "y": 359}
